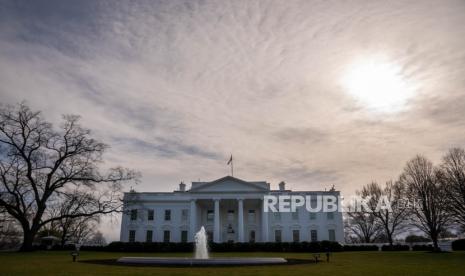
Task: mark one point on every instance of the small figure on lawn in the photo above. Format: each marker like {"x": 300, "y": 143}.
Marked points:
{"x": 74, "y": 254}
{"x": 328, "y": 253}
{"x": 316, "y": 256}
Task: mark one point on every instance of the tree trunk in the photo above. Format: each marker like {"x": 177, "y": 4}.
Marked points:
{"x": 391, "y": 243}
{"x": 434, "y": 238}
{"x": 435, "y": 245}
{"x": 389, "y": 236}
{"x": 63, "y": 237}
{"x": 28, "y": 239}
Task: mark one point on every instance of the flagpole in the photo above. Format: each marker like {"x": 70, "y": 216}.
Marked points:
{"x": 232, "y": 166}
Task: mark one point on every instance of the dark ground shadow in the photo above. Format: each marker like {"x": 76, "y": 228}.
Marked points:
{"x": 115, "y": 263}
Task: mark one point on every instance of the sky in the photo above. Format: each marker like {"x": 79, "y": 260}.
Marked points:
{"x": 313, "y": 93}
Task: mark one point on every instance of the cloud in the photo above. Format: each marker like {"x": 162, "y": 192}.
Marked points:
{"x": 164, "y": 148}
{"x": 176, "y": 86}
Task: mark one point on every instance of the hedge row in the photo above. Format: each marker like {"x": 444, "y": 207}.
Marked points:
{"x": 423, "y": 247}
{"x": 361, "y": 248}
{"x": 222, "y": 247}
{"x": 148, "y": 247}
{"x": 458, "y": 244}
{"x": 395, "y": 247}
{"x": 277, "y": 247}
{"x": 321, "y": 246}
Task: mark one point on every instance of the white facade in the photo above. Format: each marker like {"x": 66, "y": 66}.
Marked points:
{"x": 230, "y": 209}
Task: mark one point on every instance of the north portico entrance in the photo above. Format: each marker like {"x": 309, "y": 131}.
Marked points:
{"x": 230, "y": 209}
{"x": 230, "y": 220}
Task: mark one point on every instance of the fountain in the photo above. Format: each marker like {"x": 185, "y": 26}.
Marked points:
{"x": 201, "y": 257}
{"x": 201, "y": 251}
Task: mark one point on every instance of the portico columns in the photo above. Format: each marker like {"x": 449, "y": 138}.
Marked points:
{"x": 264, "y": 224}
{"x": 193, "y": 220}
{"x": 240, "y": 212}
{"x": 216, "y": 233}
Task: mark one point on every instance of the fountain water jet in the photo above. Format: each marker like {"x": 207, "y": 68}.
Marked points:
{"x": 201, "y": 250}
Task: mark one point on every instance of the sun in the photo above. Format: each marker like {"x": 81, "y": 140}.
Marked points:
{"x": 377, "y": 85}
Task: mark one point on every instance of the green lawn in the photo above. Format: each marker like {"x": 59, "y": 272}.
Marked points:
{"x": 346, "y": 263}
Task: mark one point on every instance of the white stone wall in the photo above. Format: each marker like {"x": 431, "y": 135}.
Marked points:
{"x": 224, "y": 191}
{"x": 158, "y": 225}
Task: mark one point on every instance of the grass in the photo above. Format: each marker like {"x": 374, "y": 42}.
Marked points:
{"x": 345, "y": 263}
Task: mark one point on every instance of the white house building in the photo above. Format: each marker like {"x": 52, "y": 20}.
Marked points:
{"x": 230, "y": 209}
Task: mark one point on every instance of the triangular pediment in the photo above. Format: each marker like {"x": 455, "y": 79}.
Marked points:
{"x": 229, "y": 184}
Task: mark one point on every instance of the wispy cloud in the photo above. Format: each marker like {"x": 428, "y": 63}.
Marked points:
{"x": 176, "y": 86}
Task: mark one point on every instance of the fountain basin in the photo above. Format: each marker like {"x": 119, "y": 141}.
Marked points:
{"x": 199, "y": 262}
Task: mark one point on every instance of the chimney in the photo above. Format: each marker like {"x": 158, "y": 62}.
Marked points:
{"x": 282, "y": 186}
{"x": 182, "y": 187}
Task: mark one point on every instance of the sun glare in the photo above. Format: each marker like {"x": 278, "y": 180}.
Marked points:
{"x": 377, "y": 85}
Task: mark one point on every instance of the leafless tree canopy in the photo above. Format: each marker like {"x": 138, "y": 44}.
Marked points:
{"x": 452, "y": 176}
{"x": 391, "y": 221}
{"x": 363, "y": 224}
{"x": 431, "y": 215}
{"x": 65, "y": 207}
{"x": 41, "y": 166}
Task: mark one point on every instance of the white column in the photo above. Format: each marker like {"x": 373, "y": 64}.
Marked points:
{"x": 216, "y": 233}
{"x": 264, "y": 224}
{"x": 240, "y": 212}
{"x": 193, "y": 220}
{"x": 124, "y": 236}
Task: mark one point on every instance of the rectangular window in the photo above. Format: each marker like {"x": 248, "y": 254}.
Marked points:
{"x": 149, "y": 236}
{"x": 330, "y": 215}
{"x": 230, "y": 215}
{"x": 251, "y": 216}
{"x": 183, "y": 236}
{"x": 166, "y": 236}
{"x": 313, "y": 235}
{"x": 252, "y": 236}
{"x": 150, "y": 215}
{"x": 184, "y": 214}
{"x": 132, "y": 235}
{"x": 295, "y": 235}
{"x": 295, "y": 215}
{"x": 312, "y": 216}
{"x": 332, "y": 235}
{"x": 210, "y": 215}
{"x": 167, "y": 215}
{"x": 134, "y": 214}
{"x": 277, "y": 236}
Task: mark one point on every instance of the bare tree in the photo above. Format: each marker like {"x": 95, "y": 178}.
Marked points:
{"x": 430, "y": 212}
{"x": 97, "y": 239}
{"x": 38, "y": 163}
{"x": 65, "y": 206}
{"x": 83, "y": 229}
{"x": 394, "y": 219}
{"x": 362, "y": 223}
{"x": 452, "y": 177}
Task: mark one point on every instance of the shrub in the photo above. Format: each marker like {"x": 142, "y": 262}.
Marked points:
{"x": 458, "y": 244}
{"x": 395, "y": 247}
{"x": 423, "y": 247}
{"x": 415, "y": 238}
